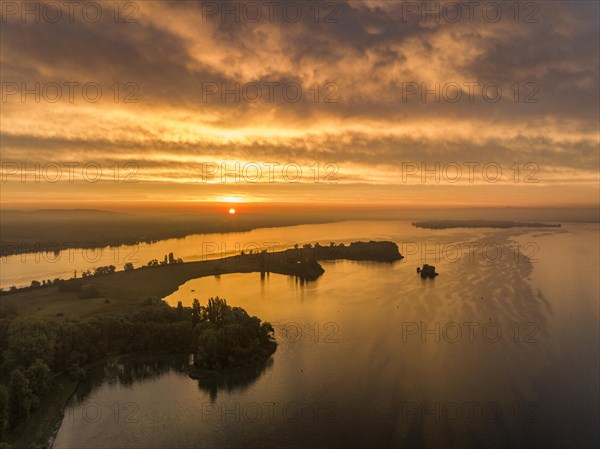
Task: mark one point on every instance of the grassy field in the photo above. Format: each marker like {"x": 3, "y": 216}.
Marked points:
{"x": 121, "y": 292}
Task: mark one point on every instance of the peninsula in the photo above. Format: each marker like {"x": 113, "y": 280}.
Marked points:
{"x": 111, "y": 291}
{"x": 121, "y": 312}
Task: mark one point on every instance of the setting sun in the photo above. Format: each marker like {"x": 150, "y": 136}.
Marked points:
{"x": 232, "y": 211}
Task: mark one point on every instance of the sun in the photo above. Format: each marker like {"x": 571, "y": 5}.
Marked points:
{"x": 232, "y": 211}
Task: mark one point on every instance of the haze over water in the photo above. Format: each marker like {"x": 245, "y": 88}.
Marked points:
{"x": 353, "y": 368}
{"x": 23, "y": 268}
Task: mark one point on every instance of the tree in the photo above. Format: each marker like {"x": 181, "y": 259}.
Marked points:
{"x": 37, "y": 375}
{"x": 216, "y": 310}
{"x": 3, "y": 408}
{"x": 128, "y": 266}
{"x": 108, "y": 269}
{"x": 266, "y": 331}
{"x": 20, "y": 398}
{"x": 196, "y": 311}
{"x": 28, "y": 340}
{"x": 209, "y": 347}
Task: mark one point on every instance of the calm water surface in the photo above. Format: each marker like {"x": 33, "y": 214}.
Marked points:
{"x": 500, "y": 349}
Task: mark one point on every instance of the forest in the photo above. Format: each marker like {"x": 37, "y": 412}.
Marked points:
{"x": 34, "y": 351}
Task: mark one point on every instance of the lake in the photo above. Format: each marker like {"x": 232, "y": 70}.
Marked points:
{"x": 500, "y": 349}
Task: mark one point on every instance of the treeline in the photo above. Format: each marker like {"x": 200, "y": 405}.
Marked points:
{"x": 34, "y": 350}
{"x": 169, "y": 259}
{"x": 228, "y": 337}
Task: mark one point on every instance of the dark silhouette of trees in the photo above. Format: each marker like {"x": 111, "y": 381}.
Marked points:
{"x": 37, "y": 375}
{"x": 229, "y": 338}
{"x": 108, "y": 269}
{"x": 168, "y": 259}
{"x": 196, "y": 311}
{"x": 215, "y": 310}
{"x": 20, "y": 398}
{"x": 222, "y": 336}
{"x": 3, "y": 408}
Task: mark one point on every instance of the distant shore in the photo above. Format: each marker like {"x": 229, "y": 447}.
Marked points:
{"x": 498, "y": 224}
{"x": 88, "y": 229}
{"x": 64, "y": 229}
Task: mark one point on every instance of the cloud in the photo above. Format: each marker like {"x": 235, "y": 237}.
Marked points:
{"x": 378, "y": 87}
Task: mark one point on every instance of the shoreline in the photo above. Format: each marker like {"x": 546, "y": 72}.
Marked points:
{"x": 477, "y": 224}
{"x": 53, "y": 246}
{"x": 50, "y": 439}
{"x": 199, "y": 373}
{"x": 209, "y": 374}
{"x": 64, "y": 246}
{"x": 58, "y": 423}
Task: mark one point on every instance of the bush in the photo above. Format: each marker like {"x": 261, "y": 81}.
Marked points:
{"x": 72, "y": 285}
{"x": 89, "y": 291}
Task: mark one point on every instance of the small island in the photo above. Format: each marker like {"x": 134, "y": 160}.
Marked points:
{"x": 502, "y": 224}
{"x": 428, "y": 271}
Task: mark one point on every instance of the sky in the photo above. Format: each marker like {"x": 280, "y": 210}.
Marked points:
{"x": 360, "y": 102}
